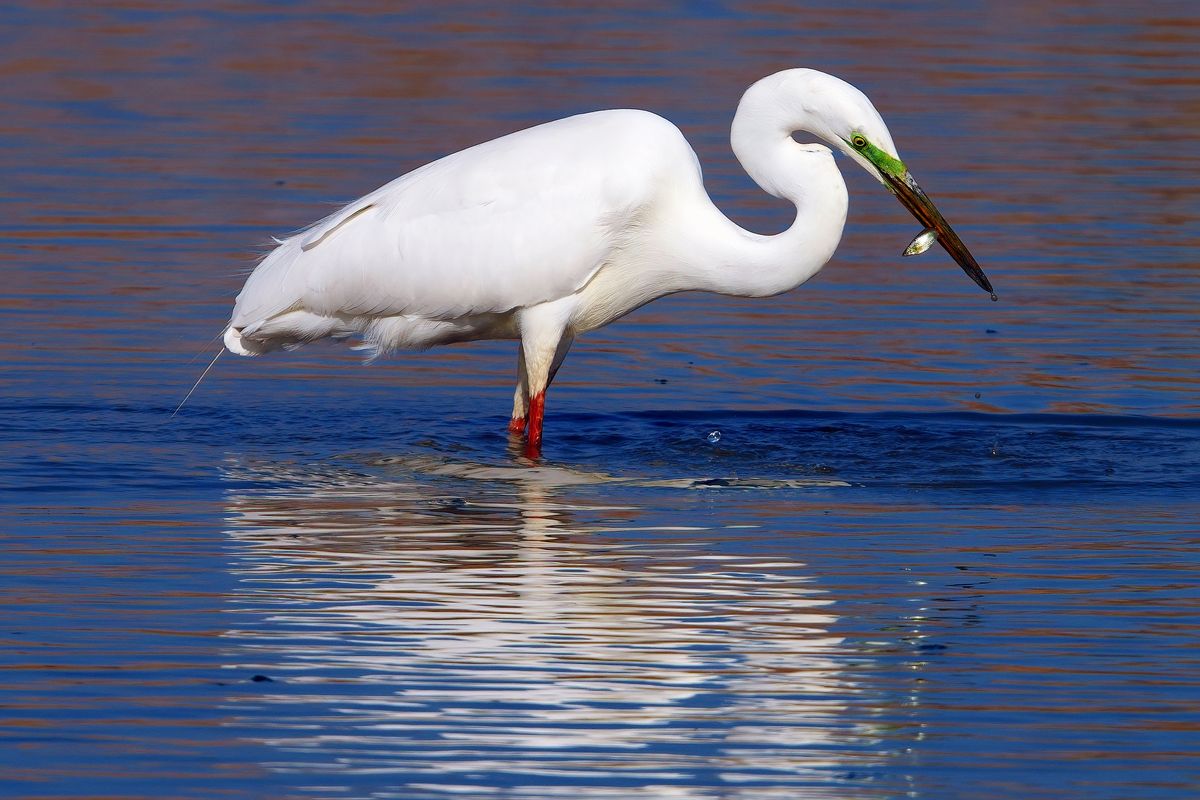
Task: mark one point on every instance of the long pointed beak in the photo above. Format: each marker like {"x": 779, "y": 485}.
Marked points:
{"x": 920, "y": 206}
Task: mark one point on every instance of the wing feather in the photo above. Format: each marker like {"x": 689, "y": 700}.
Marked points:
{"x": 512, "y": 222}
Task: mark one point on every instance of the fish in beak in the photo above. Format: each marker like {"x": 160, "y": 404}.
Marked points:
{"x": 911, "y": 196}
{"x": 921, "y": 242}
{"x": 896, "y": 177}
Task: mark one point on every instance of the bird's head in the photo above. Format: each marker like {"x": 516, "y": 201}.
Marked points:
{"x": 843, "y": 116}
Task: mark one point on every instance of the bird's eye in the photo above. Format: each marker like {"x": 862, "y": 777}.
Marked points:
{"x": 858, "y": 140}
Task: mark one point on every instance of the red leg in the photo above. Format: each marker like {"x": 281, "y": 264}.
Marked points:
{"x": 537, "y": 410}
{"x": 516, "y": 425}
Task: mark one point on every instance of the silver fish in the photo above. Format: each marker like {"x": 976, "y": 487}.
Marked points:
{"x": 922, "y": 242}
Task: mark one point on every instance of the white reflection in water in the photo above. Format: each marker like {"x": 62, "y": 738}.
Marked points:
{"x": 522, "y": 640}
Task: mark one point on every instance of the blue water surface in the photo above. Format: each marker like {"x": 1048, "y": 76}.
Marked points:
{"x": 942, "y": 548}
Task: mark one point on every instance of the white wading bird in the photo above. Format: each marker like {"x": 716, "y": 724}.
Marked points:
{"x": 560, "y": 229}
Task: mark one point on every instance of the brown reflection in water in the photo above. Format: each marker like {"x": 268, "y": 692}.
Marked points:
{"x": 531, "y": 633}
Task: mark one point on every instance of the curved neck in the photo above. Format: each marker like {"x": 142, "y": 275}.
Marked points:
{"x": 732, "y": 260}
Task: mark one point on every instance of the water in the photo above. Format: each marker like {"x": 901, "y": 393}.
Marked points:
{"x": 942, "y": 548}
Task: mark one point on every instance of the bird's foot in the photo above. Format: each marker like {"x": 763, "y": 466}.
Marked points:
{"x": 533, "y": 449}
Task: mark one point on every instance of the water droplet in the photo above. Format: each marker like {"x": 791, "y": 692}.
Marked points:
{"x": 994, "y": 298}
{"x": 713, "y": 437}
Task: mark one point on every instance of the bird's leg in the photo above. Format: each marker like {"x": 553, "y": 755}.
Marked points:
{"x": 541, "y": 368}
{"x": 520, "y": 397}
{"x": 537, "y": 411}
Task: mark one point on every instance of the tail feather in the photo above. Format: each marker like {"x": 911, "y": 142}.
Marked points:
{"x": 288, "y": 330}
{"x": 233, "y": 343}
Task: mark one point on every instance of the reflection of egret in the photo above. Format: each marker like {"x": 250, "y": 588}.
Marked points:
{"x": 563, "y": 228}
{"x": 518, "y": 633}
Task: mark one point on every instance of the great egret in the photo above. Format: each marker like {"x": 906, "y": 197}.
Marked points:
{"x": 556, "y": 230}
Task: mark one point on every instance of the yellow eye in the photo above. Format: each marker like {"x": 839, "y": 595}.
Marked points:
{"x": 858, "y": 140}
